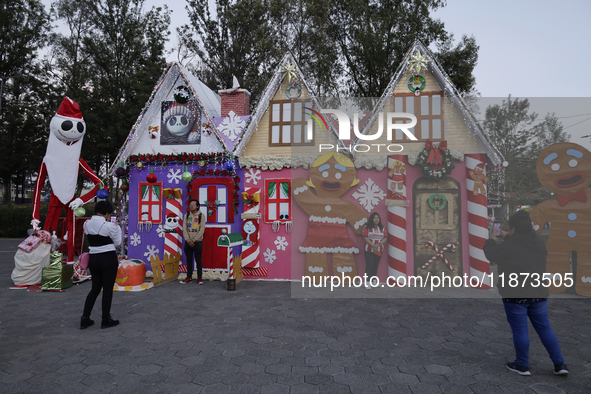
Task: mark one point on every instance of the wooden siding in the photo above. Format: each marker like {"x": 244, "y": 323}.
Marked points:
{"x": 455, "y": 130}
{"x": 259, "y": 141}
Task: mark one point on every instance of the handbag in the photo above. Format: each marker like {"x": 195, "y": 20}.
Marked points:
{"x": 83, "y": 259}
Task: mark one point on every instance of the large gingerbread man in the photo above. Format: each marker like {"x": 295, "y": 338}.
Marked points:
{"x": 331, "y": 175}
{"x": 565, "y": 169}
{"x": 62, "y": 163}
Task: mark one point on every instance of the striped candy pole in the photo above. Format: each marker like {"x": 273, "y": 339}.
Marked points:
{"x": 250, "y": 253}
{"x": 397, "y": 216}
{"x": 477, "y": 224}
{"x": 230, "y": 263}
{"x": 173, "y": 242}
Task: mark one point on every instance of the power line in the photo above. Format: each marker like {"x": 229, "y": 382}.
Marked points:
{"x": 576, "y": 123}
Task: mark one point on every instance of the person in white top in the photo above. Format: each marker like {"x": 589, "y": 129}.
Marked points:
{"x": 103, "y": 237}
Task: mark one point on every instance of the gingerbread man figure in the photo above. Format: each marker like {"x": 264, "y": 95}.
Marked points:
{"x": 397, "y": 175}
{"x": 565, "y": 169}
{"x": 331, "y": 175}
{"x": 480, "y": 179}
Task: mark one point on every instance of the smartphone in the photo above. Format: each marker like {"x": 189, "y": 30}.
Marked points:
{"x": 497, "y": 230}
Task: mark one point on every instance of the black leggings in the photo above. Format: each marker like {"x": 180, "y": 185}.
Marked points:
{"x": 372, "y": 261}
{"x": 103, "y": 267}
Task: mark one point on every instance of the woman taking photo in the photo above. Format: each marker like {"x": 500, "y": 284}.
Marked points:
{"x": 103, "y": 237}
{"x": 523, "y": 254}
{"x": 375, "y": 237}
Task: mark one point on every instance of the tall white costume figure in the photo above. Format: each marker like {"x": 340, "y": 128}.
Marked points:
{"x": 62, "y": 163}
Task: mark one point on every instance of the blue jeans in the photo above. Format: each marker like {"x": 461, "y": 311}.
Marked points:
{"x": 537, "y": 312}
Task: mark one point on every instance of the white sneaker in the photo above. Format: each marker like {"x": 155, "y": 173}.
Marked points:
{"x": 368, "y": 287}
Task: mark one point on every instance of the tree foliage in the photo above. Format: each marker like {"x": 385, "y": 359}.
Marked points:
{"x": 514, "y": 131}
{"x": 108, "y": 61}
{"x": 236, "y": 40}
{"x": 24, "y": 26}
{"x": 344, "y": 47}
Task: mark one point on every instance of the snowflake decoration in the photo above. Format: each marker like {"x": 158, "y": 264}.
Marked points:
{"x": 252, "y": 176}
{"x": 174, "y": 176}
{"x": 417, "y": 62}
{"x": 160, "y": 231}
{"x": 281, "y": 243}
{"x": 135, "y": 239}
{"x": 152, "y": 252}
{"x": 232, "y": 126}
{"x": 369, "y": 195}
{"x": 270, "y": 256}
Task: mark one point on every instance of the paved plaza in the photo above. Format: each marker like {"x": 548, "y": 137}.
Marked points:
{"x": 259, "y": 339}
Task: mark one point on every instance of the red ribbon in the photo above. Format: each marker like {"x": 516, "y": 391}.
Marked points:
{"x": 581, "y": 195}
{"x": 435, "y": 152}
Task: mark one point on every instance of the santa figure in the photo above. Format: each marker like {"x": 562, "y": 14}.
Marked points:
{"x": 62, "y": 163}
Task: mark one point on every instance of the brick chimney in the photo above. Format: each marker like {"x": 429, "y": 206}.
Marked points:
{"x": 235, "y": 99}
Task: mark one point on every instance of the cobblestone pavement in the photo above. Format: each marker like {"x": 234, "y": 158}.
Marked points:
{"x": 258, "y": 339}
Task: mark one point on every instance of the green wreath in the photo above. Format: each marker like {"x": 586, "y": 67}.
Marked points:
{"x": 411, "y": 85}
{"x": 428, "y": 170}
{"x": 431, "y": 201}
{"x": 293, "y": 86}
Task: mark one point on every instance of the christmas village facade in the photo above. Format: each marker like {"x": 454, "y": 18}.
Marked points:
{"x": 295, "y": 195}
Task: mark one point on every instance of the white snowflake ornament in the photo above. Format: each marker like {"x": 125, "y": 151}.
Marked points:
{"x": 369, "y": 195}
{"x": 174, "y": 176}
{"x": 252, "y": 176}
{"x": 160, "y": 231}
{"x": 152, "y": 251}
{"x": 232, "y": 126}
{"x": 270, "y": 256}
{"x": 281, "y": 243}
{"x": 135, "y": 239}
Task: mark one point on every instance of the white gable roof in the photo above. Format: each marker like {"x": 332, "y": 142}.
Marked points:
{"x": 139, "y": 141}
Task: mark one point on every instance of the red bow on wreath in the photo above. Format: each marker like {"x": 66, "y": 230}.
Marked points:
{"x": 435, "y": 152}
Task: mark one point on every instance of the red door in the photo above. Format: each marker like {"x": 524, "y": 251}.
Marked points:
{"x": 214, "y": 256}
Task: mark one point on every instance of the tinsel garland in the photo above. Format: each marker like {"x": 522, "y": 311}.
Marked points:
{"x": 184, "y": 157}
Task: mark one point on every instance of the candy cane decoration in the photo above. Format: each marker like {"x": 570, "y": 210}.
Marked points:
{"x": 439, "y": 253}
{"x": 397, "y": 217}
{"x": 250, "y": 253}
{"x": 477, "y": 224}
{"x": 173, "y": 242}
{"x": 230, "y": 263}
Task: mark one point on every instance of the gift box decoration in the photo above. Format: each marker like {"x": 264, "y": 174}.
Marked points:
{"x": 57, "y": 276}
{"x": 29, "y": 244}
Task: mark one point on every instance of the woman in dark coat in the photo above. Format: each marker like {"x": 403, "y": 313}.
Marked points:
{"x": 523, "y": 252}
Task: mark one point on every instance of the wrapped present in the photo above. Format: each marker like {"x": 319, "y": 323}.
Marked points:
{"x": 45, "y": 236}
{"x": 30, "y": 244}
{"x": 57, "y": 276}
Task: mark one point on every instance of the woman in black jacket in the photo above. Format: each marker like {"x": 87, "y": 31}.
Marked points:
{"x": 523, "y": 253}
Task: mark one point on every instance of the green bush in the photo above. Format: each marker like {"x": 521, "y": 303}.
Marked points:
{"x": 15, "y": 220}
